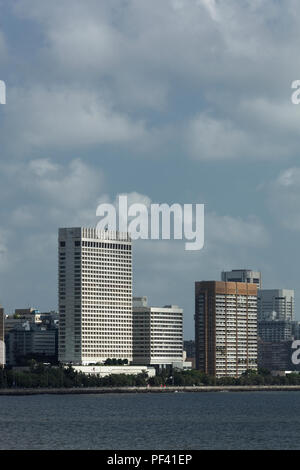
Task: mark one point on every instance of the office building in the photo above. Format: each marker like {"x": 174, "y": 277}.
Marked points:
{"x": 276, "y": 356}
{"x": 2, "y": 343}
{"x": 95, "y": 296}
{"x": 31, "y": 341}
{"x": 225, "y": 327}
{"x": 157, "y": 334}
{"x": 33, "y": 316}
{"x": 190, "y": 348}
{"x": 275, "y": 330}
{"x": 242, "y": 275}
{"x": 275, "y": 304}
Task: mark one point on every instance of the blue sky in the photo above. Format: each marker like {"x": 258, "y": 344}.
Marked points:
{"x": 185, "y": 101}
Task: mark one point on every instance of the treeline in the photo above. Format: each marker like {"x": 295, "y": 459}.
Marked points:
{"x": 261, "y": 377}
{"x": 43, "y": 376}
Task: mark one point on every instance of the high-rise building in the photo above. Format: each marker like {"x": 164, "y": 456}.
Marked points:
{"x": 275, "y": 330}
{"x": 157, "y": 334}
{"x": 190, "y": 351}
{"x": 275, "y": 304}
{"x": 276, "y": 356}
{"x": 225, "y": 327}
{"x": 242, "y": 275}
{"x": 2, "y": 343}
{"x": 95, "y": 295}
{"x": 190, "y": 348}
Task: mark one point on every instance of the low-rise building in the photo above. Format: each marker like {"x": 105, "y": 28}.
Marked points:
{"x": 104, "y": 371}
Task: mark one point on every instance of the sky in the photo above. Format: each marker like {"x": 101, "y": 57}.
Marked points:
{"x": 173, "y": 101}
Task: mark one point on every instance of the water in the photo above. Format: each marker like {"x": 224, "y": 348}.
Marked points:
{"x": 184, "y": 421}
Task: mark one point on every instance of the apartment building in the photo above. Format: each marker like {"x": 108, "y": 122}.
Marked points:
{"x": 225, "y": 327}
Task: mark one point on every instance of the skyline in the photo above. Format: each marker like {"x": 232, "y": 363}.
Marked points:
{"x": 100, "y": 102}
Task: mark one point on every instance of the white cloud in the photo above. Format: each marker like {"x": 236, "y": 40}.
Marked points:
{"x": 226, "y": 61}
{"x": 73, "y": 186}
{"x": 210, "y": 139}
{"x": 65, "y": 119}
{"x": 236, "y": 231}
{"x": 51, "y": 194}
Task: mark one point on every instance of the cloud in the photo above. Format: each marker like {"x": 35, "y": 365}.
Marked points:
{"x": 135, "y": 73}
{"x": 236, "y": 231}
{"x": 50, "y": 195}
{"x": 211, "y": 7}
{"x": 283, "y": 198}
{"x": 204, "y": 84}
{"x": 210, "y": 139}
{"x": 3, "y": 46}
{"x": 65, "y": 119}
{"x": 166, "y": 273}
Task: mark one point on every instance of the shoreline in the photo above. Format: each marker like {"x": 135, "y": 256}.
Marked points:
{"x": 130, "y": 390}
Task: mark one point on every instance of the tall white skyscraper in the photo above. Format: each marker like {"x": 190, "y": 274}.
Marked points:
{"x": 275, "y": 304}
{"x": 95, "y": 295}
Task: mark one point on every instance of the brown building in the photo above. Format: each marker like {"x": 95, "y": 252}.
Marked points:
{"x": 225, "y": 327}
{"x": 2, "y": 344}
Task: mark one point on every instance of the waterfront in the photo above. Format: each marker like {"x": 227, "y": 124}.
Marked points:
{"x": 240, "y": 420}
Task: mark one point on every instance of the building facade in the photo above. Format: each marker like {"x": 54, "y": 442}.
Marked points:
{"x": 243, "y": 275}
{"x": 190, "y": 348}
{"x": 276, "y": 356}
{"x": 157, "y": 334}
{"x": 225, "y": 327}
{"x": 2, "y": 342}
{"x": 275, "y": 330}
{"x": 276, "y": 304}
{"x": 31, "y": 341}
{"x": 95, "y": 296}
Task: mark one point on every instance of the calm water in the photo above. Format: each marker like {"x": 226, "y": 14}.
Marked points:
{"x": 263, "y": 420}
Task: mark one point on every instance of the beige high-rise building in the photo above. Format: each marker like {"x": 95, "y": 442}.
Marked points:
{"x": 225, "y": 327}
{"x": 95, "y": 295}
